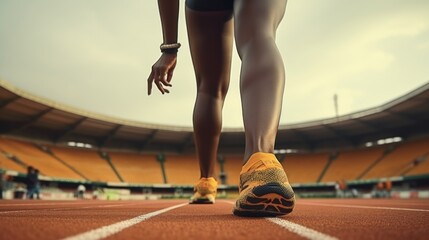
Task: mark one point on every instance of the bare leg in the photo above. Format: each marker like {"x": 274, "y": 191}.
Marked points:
{"x": 262, "y": 71}
{"x": 210, "y": 38}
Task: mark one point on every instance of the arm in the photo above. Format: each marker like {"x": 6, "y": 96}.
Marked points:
{"x": 162, "y": 70}
{"x": 169, "y": 13}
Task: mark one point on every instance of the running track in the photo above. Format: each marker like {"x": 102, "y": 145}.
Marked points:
{"x": 175, "y": 219}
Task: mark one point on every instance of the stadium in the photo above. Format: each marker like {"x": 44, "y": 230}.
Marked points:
{"x": 71, "y": 147}
{"x": 117, "y": 159}
{"x": 91, "y": 150}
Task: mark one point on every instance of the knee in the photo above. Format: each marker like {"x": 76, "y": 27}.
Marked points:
{"x": 259, "y": 43}
{"x": 215, "y": 91}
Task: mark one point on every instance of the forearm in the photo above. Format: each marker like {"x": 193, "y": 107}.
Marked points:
{"x": 169, "y": 13}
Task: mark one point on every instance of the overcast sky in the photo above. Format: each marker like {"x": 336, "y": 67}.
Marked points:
{"x": 97, "y": 54}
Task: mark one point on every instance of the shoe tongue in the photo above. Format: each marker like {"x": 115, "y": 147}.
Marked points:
{"x": 260, "y": 161}
{"x": 263, "y": 164}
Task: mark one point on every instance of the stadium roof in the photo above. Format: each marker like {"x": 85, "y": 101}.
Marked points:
{"x": 23, "y": 115}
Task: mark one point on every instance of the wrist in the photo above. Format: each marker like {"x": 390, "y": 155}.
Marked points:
{"x": 170, "y": 51}
{"x": 170, "y": 48}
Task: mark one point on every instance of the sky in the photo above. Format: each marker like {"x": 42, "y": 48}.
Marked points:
{"x": 96, "y": 55}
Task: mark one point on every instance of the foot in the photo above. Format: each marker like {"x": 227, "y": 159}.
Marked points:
{"x": 204, "y": 191}
{"x": 264, "y": 188}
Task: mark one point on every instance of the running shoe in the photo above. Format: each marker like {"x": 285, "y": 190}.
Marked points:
{"x": 204, "y": 191}
{"x": 264, "y": 188}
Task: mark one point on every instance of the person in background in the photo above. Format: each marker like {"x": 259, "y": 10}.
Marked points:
{"x": 81, "y": 191}
{"x": 36, "y": 183}
{"x": 31, "y": 182}
{"x": 388, "y": 188}
{"x": 379, "y": 188}
{"x": 338, "y": 192}
{"x": 2, "y": 183}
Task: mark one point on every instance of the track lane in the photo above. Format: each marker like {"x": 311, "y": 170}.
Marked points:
{"x": 68, "y": 220}
{"x": 354, "y": 222}
{"x": 205, "y": 221}
{"x": 109, "y": 230}
{"x": 418, "y": 204}
{"x": 340, "y": 218}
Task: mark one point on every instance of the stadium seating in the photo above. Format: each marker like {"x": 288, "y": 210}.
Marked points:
{"x": 7, "y": 164}
{"x": 399, "y": 159}
{"x": 182, "y": 169}
{"x": 87, "y": 162}
{"x": 350, "y": 164}
{"x": 232, "y": 168}
{"x": 137, "y": 168}
{"x": 29, "y": 154}
{"x": 305, "y": 168}
{"x": 421, "y": 168}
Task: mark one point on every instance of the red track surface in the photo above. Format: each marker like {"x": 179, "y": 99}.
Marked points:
{"x": 336, "y": 218}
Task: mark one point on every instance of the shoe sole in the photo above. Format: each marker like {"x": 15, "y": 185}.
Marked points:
{"x": 201, "y": 201}
{"x": 269, "y": 200}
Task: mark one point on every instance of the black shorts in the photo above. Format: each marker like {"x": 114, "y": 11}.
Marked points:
{"x": 210, "y": 5}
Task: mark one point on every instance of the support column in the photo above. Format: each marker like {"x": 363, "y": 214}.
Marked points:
{"x": 161, "y": 159}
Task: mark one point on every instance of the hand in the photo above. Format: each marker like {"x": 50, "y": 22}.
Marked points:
{"x": 162, "y": 72}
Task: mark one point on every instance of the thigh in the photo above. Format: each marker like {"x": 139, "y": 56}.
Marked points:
{"x": 210, "y": 36}
{"x": 257, "y": 18}
{"x": 210, "y": 5}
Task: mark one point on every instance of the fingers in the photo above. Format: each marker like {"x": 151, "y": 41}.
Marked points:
{"x": 161, "y": 80}
{"x": 149, "y": 83}
{"x": 169, "y": 77}
{"x": 161, "y": 83}
{"x": 160, "y": 87}
{"x": 162, "y": 73}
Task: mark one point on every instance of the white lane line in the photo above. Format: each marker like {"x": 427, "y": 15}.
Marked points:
{"x": 42, "y": 204}
{"x": 364, "y": 207}
{"x": 301, "y": 230}
{"x": 68, "y": 208}
{"x": 18, "y": 211}
{"x": 93, "y": 207}
{"x": 109, "y": 230}
{"x": 114, "y": 205}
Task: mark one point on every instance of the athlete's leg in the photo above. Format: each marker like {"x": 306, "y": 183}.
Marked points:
{"x": 210, "y": 38}
{"x": 262, "y": 71}
{"x": 264, "y": 187}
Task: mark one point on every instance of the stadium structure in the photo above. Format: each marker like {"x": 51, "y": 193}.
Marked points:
{"x": 345, "y": 156}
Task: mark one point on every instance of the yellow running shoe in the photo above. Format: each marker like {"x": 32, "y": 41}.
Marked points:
{"x": 204, "y": 191}
{"x": 264, "y": 188}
